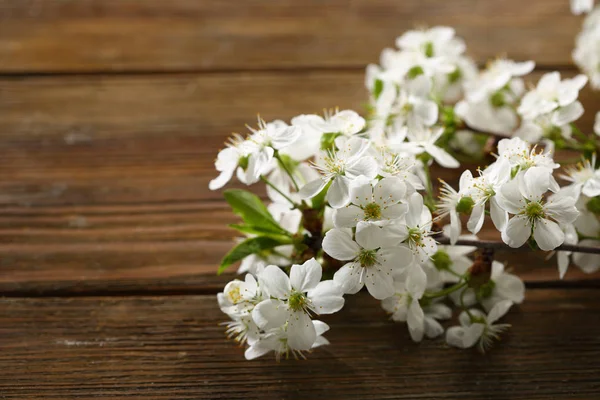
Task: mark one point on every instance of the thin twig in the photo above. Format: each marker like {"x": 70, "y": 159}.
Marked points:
{"x": 489, "y": 244}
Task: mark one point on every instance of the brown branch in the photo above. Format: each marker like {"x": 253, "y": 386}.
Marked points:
{"x": 488, "y": 244}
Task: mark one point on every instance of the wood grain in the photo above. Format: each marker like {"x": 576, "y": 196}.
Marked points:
{"x": 172, "y": 347}
{"x": 156, "y": 35}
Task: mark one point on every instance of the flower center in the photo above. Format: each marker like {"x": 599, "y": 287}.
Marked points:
{"x": 534, "y": 210}
{"x": 372, "y": 211}
{"x": 367, "y": 258}
{"x": 234, "y": 295}
{"x": 465, "y": 205}
{"x": 297, "y": 301}
{"x": 415, "y": 235}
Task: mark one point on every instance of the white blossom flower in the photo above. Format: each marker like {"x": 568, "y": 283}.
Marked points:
{"x": 434, "y": 42}
{"x": 501, "y": 286}
{"x": 278, "y": 341}
{"x": 484, "y": 188}
{"x": 227, "y": 162}
{"x": 522, "y": 156}
{"x": 584, "y": 177}
{"x": 496, "y": 76}
{"x": 422, "y": 139}
{"x": 237, "y": 300}
{"x": 340, "y": 168}
{"x": 293, "y": 299}
{"x": 448, "y": 263}
{"x": 523, "y": 198}
{"x": 404, "y": 305}
{"x": 412, "y": 106}
{"x": 475, "y": 327}
{"x": 372, "y": 258}
{"x": 417, "y": 231}
{"x": 400, "y": 166}
{"x": 550, "y": 94}
{"x": 581, "y": 6}
{"x": 378, "y": 203}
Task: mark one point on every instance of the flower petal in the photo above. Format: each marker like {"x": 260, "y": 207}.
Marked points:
{"x": 275, "y": 282}
{"x": 338, "y": 194}
{"x": 379, "y": 282}
{"x": 327, "y": 297}
{"x": 415, "y": 319}
{"x": 311, "y": 189}
{"x": 547, "y": 234}
{"x": 517, "y": 231}
{"x": 270, "y": 314}
{"x": 498, "y": 311}
{"x": 348, "y": 278}
{"x": 301, "y": 331}
{"x": 348, "y": 216}
{"x": 338, "y": 244}
{"x": 306, "y": 276}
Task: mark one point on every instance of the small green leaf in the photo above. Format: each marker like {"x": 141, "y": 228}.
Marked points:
{"x": 328, "y": 140}
{"x": 256, "y": 230}
{"x": 377, "y": 88}
{"x": 318, "y": 202}
{"x": 250, "y": 246}
{"x": 252, "y": 210}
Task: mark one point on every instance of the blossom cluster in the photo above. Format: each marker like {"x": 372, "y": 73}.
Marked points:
{"x": 353, "y": 199}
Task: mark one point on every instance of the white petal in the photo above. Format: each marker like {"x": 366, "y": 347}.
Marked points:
{"x": 499, "y": 216}
{"x": 416, "y": 281}
{"x": 379, "y": 282}
{"x": 472, "y": 335}
{"x": 535, "y": 183}
{"x": 257, "y": 350}
{"x": 517, "y": 231}
{"x": 566, "y": 115}
{"x": 548, "y": 235}
{"x": 415, "y": 319}
{"x": 394, "y": 211}
{"x": 306, "y": 276}
{"x": 441, "y": 156}
{"x": 365, "y": 166}
{"x": 348, "y": 278}
{"x": 389, "y": 191}
{"x": 371, "y": 236}
{"x": 510, "y": 198}
{"x": 361, "y": 192}
{"x": 562, "y": 209}
{"x": 348, "y": 216}
{"x": 415, "y": 210}
{"x": 301, "y": 331}
{"x": 275, "y": 282}
{"x": 312, "y": 189}
{"x": 269, "y": 314}
{"x": 338, "y": 244}
{"x": 563, "y": 263}
{"x": 338, "y": 194}
{"x": 510, "y": 287}
{"x": 327, "y": 297}
{"x": 433, "y": 328}
{"x": 397, "y": 257}
{"x": 476, "y": 219}
{"x": 499, "y": 310}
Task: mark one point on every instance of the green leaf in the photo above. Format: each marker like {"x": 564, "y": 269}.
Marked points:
{"x": 377, "y": 88}
{"x": 328, "y": 140}
{"x": 250, "y": 246}
{"x": 318, "y": 202}
{"x": 256, "y": 230}
{"x": 252, "y": 210}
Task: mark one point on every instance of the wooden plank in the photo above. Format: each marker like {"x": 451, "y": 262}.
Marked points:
{"x": 157, "y": 35}
{"x": 160, "y": 248}
{"x": 172, "y": 347}
{"x": 121, "y": 139}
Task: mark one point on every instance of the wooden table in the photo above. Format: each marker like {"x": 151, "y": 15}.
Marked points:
{"x": 111, "y": 113}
